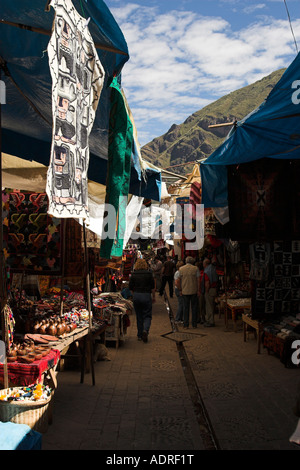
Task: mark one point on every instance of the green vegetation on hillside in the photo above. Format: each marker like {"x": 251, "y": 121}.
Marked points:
{"x": 194, "y": 140}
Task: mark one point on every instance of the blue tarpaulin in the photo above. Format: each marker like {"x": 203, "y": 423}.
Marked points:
{"x": 27, "y": 114}
{"x": 271, "y": 131}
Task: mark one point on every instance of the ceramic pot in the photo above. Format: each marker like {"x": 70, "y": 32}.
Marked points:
{"x": 36, "y": 327}
{"x": 60, "y": 328}
{"x": 42, "y": 328}
{"x": 25, "y": 359}
{"x": 52, "y": 329}
{"x": 12, "y": 352}
{"x": 11, "y": 358}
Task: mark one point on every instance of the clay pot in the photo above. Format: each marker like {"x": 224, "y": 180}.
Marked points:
{"x": 45, "y": 352}
{"x": 12, "y": 353}
{"x": 11, "y": 358}
{"x": 52, "y": 329}
{"x": 60, "y": 328}
{"x": 42, "y": 350}
{"x": 22, "y": 351}
{"x": 63, "y": 323}
{"x": 36, "y": 327}
{"x": 25, "y": 359}
{"x": 29, "y": 346}
{"x": 42, "y": 328}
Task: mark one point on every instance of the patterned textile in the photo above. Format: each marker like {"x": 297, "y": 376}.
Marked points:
{"x": 195, "y": 198}
{"x": 280, "y": 293}
{"x": 77, "y": 81}
{"x": 31, "y": 237}
{"x": 119, "y": 166}
{"x": 73, "y": 249}
{"x": 195, "y": 193}
{"x": 28, "y": 374}
{"x": 260, "y": 200}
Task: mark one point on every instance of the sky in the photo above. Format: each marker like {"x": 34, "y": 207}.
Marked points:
{"x": 185, "y": 54}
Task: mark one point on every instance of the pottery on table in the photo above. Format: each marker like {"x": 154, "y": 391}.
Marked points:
{"x": 11, "y": 358}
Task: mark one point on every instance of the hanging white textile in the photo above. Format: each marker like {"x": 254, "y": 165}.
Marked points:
{"x": 77, "y": 81}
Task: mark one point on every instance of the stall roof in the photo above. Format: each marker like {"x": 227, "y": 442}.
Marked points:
{"x": 26, "y": 116}
{"x": 270, "y": 131}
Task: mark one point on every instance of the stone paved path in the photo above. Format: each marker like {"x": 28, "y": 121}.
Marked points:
{"x": 147, "y": 397}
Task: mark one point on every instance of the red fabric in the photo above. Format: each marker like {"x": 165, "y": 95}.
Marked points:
{"x": 28, "y": 374}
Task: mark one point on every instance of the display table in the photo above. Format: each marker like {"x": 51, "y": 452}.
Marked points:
{"x": 27, "y": 374}
{"x": 254, "y": 324}
{"x": 85, "y": 337}
{"x": 236, "y": 307}
{"x": 281, "y": 346}
{"x": 115, "y": 330}
{"x": 21, "y": 374}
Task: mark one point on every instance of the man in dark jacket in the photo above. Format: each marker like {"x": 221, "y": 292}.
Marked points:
{"x": 168, "y": 271}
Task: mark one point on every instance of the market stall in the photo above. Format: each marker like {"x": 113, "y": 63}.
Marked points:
{"x": 61, "y": 166}
{"x": 251, "y": 181}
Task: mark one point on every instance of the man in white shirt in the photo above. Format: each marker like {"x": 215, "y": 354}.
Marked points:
{"x": 189, "y": 288}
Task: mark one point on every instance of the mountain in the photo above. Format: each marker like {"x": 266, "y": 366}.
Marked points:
{"x": 194, "y": 140}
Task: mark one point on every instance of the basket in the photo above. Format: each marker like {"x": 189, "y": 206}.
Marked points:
{"x": 34, "y": 414}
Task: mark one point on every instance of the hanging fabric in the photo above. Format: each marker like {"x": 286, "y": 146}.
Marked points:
{"x": 118, "y": 175}
{"x": 77, "y": 81}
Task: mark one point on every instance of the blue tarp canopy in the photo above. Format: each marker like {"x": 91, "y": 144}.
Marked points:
{"x": 271, "y": 131}
{"x": 27, "y": 114}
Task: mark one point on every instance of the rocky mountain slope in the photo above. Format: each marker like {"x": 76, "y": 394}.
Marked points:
{"x": 193, "y": 139}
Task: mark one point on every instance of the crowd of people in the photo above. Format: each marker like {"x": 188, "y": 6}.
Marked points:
{"x": 194, "y": 284}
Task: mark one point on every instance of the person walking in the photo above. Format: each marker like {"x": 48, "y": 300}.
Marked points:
{"x": 201, "y": 295}
{"x": 179, "y": 313}
{"x": 168, "y": 271}
{"x": 142, "y": 285}
{"x": 189, "y": 289}
{"x": 156, "y": 268}
{"x": 209, "y": 284}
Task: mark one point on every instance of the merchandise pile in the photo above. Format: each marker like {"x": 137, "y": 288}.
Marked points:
{"x": 31, "y": 393}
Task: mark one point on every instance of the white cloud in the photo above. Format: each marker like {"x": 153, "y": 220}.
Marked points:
{"x": 180, "y": 61}
{"x": 252, "y": 8}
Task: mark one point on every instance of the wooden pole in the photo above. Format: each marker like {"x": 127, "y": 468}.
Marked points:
{"x": 225, "y": 124}
{"x": 87, "y": 276}
{"x": 88, "y": 293}
{"x": 2, "y": 267}
{"x": 63, "y": 261}
{"x": 225, "y": 286}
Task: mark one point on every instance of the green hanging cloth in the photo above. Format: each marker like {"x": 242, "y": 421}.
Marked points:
{"x": 118, "y": 174}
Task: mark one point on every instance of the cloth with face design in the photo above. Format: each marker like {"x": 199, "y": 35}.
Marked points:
{"x": 77, "y": 81}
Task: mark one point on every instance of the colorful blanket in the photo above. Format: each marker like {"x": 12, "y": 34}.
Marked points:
{"x": 118, "y": 177}
{"x": 31, "y": 237}
{"x": 28, "y": 374}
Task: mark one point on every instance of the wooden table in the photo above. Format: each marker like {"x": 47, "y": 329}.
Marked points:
{"x": 82, "y": 336}
{"x": 236, "y": 307}
{"x": 254, "y": 324}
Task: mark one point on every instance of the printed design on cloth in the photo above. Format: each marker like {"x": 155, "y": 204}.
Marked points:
{"x": 259, "y": 200}
{"x": 278, "y": 291}
{"x": 77, "y": 81}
